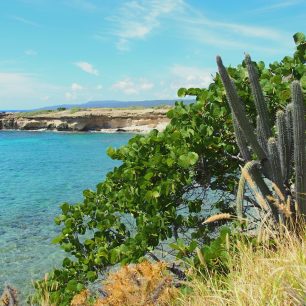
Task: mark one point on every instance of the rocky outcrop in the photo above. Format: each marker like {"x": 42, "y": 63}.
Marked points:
{"x": 130, "y": 120}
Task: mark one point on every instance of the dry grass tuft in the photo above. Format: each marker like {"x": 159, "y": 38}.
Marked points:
{"x": 81, "y": 298}
{"x": 9, "y": 296}
{"x": 144, "y": 284}
{"x": 257, "y": 276}
{"x": 218, "y": 217}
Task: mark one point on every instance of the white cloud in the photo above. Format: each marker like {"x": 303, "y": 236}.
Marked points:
{"x": 99, "y": 87}
{"x": 76, "y": 87}
{"x": 70, "y": 96}
{"x": 74, "y": 93}
{"x": 186, "y": 76}
{"x": 87, "y": 67}
{"x": 137, "y": 19}
{"x": 30, "y": 52}
{"x": 133, "y": 87}
{"x": 24, "y": 90}
{"x": 25, "y": 21}
{"x": 278, "y": 5}
{"x": 199, "y": 28}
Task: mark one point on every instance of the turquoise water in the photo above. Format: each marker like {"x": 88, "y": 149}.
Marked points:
{"x": 39, "y": 171}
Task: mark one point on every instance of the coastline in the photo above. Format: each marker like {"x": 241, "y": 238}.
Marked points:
{"x": 88, "y": 120}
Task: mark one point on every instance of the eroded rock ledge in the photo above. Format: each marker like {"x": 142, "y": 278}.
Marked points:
{"x": 105, "y": 120}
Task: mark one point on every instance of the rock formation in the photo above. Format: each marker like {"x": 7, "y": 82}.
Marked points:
{"x": 129, "y": 120}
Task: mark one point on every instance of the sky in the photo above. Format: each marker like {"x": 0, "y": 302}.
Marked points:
{"x": 73, "y": 51}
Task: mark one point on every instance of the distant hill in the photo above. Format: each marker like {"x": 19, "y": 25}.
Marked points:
{"x": 108, "y": 104}
{"x": 117, "y": 104}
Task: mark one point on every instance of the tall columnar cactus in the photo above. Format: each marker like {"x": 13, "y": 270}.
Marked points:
{"x": 241, "y": 142}
{"x": 259, "y": 99}
{"x": 261, "y": 135}
{"x": 283, "y": 145}
{"x": 250, "y": 175}
{"x": 274, "y": 155}
{"x": 239, "y": 112}
{"x": 275, "y": 163}
{"x": 298, "y": 113}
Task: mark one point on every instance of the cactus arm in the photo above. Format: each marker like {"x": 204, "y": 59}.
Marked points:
{"x": 275, "y": 164}
{"x": 259, "y": 99}
{"x": 251, "y": 175}
{"x": 241, "y": 142}
{"x": 260, "y": 134}
{"x": 241, "y": 187}
{"x": 239, "y": 112}
{"x": 283, "y": 145}
{"x": 289, "y": 128}
{"x": 299, "y": 146}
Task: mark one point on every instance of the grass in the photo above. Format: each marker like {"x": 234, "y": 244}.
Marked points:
{"x": 35, "y": 113}
{"x": 74, "y": 110}
{"x": 257, "y": 276}
{"x": 270, "y": 271}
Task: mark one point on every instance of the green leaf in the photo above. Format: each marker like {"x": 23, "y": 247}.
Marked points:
{"x": 187, "y": 160}
{"x": 182, "y": 92}
{"x": 65, "y": 207}
{"x": 299, "y": 38}
{"x": 72, "y": 285}
{"x": 57, "y": 239}
{"x": 303, "y": 81}
{"x": 91, "y": 275}
{"x": 111, "y": 152}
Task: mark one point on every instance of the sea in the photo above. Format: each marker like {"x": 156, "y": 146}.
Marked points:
{"x": 38, "y": 172}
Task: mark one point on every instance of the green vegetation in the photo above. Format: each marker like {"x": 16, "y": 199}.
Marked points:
{"x": 35, "y": 113}
{"x": 258, "y": 274}
{"x": 76, "y": 109}
{"x": 169, "y": 183}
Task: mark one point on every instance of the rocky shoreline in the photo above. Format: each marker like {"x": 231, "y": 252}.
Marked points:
{"x": 98, "y": 120}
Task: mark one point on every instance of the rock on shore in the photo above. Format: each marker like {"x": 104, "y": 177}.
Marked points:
{"x": 99, "y": 119}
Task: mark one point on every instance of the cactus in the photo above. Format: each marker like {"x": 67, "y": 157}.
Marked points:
{"x": 248, "y": 171}
{"x": 298, "y": 113}
{"x": 259, "y": 99}
{"x": 289, "y": 126}
{"x": 283, "y": 145}
{"x": 241, "y": 142}
{"x": 274, "y": 156}
{"x": 239, "y": 112}
{"x": 275, "y": 163}
{"x": 260, "y": 135}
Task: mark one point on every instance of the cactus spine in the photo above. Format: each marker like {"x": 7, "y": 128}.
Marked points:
{"x": 299, "y": 146}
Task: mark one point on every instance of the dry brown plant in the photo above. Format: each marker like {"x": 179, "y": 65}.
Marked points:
{"x": 143, "y": 284}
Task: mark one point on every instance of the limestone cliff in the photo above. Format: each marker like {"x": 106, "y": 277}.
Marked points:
{"x": 134, "y": 120}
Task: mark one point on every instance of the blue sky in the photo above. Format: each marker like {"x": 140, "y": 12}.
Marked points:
{"x": 71, "y": 51}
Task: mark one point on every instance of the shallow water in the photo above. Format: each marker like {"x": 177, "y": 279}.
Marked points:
{"x": 39, "y": 171}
